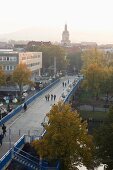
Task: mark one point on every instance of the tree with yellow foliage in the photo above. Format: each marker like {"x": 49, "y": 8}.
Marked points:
{"x": 66, "y": 138}
{"x": 21, "y": 76}
{"x": 94, "y": 56}
{"x": 2, "y": 77}
{"x": 93, "y": 75}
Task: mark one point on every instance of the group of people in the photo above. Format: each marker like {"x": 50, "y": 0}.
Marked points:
{"x": 50, "y": 97}
{"x": 2, "y": 134}
{"x": 64, "y": 84}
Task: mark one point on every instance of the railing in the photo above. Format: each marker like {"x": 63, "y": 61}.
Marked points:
{"x": 6, "y": 159}
{"x": 75, "y": 87}
{"x": 31, "y": 99}
{"x": 15, "y": 153}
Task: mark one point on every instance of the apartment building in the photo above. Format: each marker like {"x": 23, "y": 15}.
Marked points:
{"x": 9, "y": 59}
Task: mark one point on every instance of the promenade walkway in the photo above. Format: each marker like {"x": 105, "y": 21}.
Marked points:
{"x": 29, "y": 122}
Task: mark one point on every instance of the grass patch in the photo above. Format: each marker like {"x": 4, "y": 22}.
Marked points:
{"x": 85, "y": 97}
{"x": 94, "y": 115}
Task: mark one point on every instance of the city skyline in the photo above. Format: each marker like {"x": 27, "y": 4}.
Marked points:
{"x": 44, "y": 20}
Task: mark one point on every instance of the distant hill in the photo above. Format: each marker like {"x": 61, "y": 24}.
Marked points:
{"x": 38, "y": 34}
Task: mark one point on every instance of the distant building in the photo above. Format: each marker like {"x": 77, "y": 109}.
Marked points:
{"x": 38, "y": 43}
{"x": 88, "y": 45}
{"x": 19, "y": 47}
{"x": 10, "y": 59}
{"x": 5, "y": 45}
{"x": 65, "y": 37}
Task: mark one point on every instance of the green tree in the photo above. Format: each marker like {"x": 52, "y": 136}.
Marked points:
{"x": 93, "y": 75}
{"x": 66, "y": 138}
{"x": 75, "y": 62}
{"x": 103, "y": 138}
{"x": 21, "y": 76}
{"x": 48, "y": 55}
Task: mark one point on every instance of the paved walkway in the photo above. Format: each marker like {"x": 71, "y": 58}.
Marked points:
{"x": 29, "y": 122}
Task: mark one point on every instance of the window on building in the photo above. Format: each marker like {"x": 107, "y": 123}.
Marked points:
{"x": 13, "y": 58}
{"x": 11, "y": 67}
{"x": 7, "y": 58}
{"x": 7, "y": 68}
{"x": 4, "y": 58}
{"x": 23, "y": 58}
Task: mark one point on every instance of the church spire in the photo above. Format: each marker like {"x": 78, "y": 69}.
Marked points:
{"x": 65, "y": 27}
{"x": 65, "y": 37}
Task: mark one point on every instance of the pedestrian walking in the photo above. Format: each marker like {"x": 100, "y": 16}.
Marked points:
{"x": 68, "y": 81}
{"x": 48, "y": 96}
{"x": 51, "y": 96}
{"x": 4, "y": 129}
{"x": 25, "y": 106}
{"x": 54, "y": 97}
{"x": 1, "y": 138}
{"x": 65, "y": 84}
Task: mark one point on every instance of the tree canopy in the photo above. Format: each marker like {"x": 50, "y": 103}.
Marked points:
{"x": 21, "y": 75}
{"x": 103, "y": 138}
{"x": 2, "y": 77}
{"x": 75, "y": 62}
{"x": 98, "y": 72}
{"x": 48, "y": 54}
{"x": 66, "y": 138}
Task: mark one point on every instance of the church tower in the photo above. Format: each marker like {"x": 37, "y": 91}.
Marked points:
{"x": 65, "y": 37}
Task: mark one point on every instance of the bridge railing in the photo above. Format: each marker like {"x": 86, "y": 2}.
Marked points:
{"x": 31, "y": 99}
{"x": 6, "y": 159}
{"x": 74, "y": 88}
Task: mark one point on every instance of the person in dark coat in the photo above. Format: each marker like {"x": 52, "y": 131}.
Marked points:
{"x": 54, "y": 97}
{"x": 48, "y": 96}
{"x": 51, "y": 96}
{"x": 1, "y": 138}
{"x": 63, "y": 84}
{"x": 4, "y": 129}
{"x": 25, "y": 106}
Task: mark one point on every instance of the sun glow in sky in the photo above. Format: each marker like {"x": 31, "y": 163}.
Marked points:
{"x": 88, "y": 20}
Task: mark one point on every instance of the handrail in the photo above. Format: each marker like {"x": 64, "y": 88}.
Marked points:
{"x": 5, "y": 154}
{"x": 27, "y": 153}
{"x": 19, "y": 140}
{"x": 26, "y": 158}
{"x": 77, "y": 83}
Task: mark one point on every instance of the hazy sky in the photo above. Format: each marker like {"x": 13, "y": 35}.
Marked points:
{"x": 90, "y": 20}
